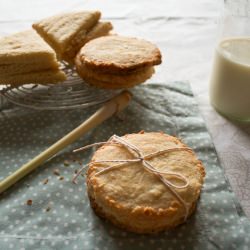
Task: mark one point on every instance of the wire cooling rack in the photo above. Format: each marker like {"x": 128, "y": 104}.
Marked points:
{"x": 70, "y": 94}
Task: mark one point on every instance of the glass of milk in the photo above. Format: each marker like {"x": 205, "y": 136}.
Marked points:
{"x": 230, "y": 80}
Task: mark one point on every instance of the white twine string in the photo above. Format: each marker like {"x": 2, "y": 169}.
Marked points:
{"x": 139, "y": 157}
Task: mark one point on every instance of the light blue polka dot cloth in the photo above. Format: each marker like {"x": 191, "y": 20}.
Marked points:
{"x": 60, "y": 216}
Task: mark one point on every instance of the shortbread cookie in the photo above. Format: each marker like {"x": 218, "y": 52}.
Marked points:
{"x": 100, "y": 29}
{"x": 26, "y": 58}
{"x": 40, "y": 77}
{"x": 26, "y": 47}
{"x": 134, "y": 197}
{"x": 119, "y": 54}
{"x": 66, "y": 30}
{"x": 114, "y": 81}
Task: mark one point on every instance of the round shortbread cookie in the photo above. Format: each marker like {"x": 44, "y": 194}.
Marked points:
{"x": 119, "y": 54}
{"x": 135, "y": 199}
{"x": 112, "y": 81}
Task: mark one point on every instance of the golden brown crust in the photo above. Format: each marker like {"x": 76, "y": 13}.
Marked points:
{"x": 118, "y": 85}
{"x": 135, "y": 199}
{"x": 119, "y": 54}
{"x": 112, "y": 81}
{"x": 98, "y": 210}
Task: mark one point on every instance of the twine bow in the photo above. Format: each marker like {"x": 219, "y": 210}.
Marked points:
{"x": 139, "y": 157}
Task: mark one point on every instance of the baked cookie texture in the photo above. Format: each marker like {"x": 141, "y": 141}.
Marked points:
{"x": 66, "y": 33}
{"x": 117, "y": 61}
{"x": 26, "y": 47}
{"x": 109, "y": 80}
{"x": 119, "y": 53}
{"x": 100, "y": 29}
{"x": 24, "y": 57}
{"x": 135, "y": 199}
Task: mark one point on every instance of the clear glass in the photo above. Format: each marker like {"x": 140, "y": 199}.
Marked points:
{"x": 230, "y": 80}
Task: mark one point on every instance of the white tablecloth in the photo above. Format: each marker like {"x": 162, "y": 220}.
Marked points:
{"x": 186, "y": 32}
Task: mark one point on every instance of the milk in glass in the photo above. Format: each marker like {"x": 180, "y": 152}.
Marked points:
{"x": 230, "y": 81}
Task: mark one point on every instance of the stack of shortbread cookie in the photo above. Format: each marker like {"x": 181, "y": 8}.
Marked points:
{"x": 158, "y": 190}
{"x": 26, "y": 58}
{"x": 117, "y": 61}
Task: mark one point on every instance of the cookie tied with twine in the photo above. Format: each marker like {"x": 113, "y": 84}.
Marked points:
{"x": 145, "y": 182}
